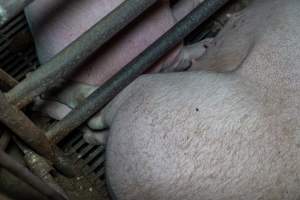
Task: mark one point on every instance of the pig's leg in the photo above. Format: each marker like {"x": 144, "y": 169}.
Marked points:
{"x": 231, "y": 47}
{"x": 224, "y": 53}
{"x": 94, "y": 137}
{"x": 191, "y": 52}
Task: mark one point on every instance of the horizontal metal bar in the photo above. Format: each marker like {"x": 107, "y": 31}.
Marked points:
{"x": 92, "y": 156}
{"x": 84, "y": 152}
{"x": 96, "y": 164}
{"x": 125, "y": 76}
{"x": 67, "y": 60}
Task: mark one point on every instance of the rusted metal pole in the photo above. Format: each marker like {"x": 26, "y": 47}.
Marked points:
{"x": 125, "y": 76}
{"x": 67, "y": 60}
{"x": 4, "y": 139}
{"x": 34, "y": 133}
{"x": 10, "y": 8}
{"x": 22, "y": 126}
{"x": 18, "y": 122}
{"x": 27, "y": 130}
{"x": 9, "y": 82}
{"x": 24, "y": 174}
{"x": 6, "y": 81}
{"x": 39, "y": 167}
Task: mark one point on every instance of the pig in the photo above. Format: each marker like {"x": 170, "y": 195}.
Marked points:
{"x": 55, "y": 24}
{"x": 228, "y": 129}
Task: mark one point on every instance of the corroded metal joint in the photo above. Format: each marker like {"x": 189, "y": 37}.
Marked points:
{"x": 24, "y": 128}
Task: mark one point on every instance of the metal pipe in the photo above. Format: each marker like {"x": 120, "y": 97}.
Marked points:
{"x": 39, "y": 167}
{"x": 36, "y": 163}
{"x": 6, "y": 81}
{"x": 4, "y": 140}
{"x": 21, "y": 125}
{"x": 125, "y": 76}
{"x": 24, "y": 128}
{"x": 67, "y": 60}
{"x": 32, "y": 133}
{"x": 10, "y": 8}
{"x": 24, "y": 174}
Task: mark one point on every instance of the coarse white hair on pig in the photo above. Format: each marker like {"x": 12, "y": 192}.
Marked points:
{"x": 203, "y": 135}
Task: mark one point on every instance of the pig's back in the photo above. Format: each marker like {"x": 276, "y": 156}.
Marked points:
{"x": 55, "y": 24}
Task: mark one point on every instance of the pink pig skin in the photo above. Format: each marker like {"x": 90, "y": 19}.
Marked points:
{"x": 56, "y": 23}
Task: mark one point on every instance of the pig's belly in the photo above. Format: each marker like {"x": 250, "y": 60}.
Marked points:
{"x": 56, "y": 23}
{"x": 201, "y": 136}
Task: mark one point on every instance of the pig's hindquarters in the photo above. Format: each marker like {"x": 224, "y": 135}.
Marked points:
{"x": 199, "y": 136}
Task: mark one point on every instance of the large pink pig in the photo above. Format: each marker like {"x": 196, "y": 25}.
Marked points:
{"x": 203, "y": 135}
{"x": 207, "y": 135}
{"x": 55, "y": 24}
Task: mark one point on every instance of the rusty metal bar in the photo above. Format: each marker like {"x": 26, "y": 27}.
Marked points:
{"x": 66, "y": 61}
{"x": 10, "y": 8}
{"x": 6, "y": 81}
{"x": 4, "y": 140}
{"x": 24, "y": 174}
{"x": 39, "y": 166}
{"x": 31, "y": 134}
{"x": 24, "y": 128}
{"x": 125, "y": 76}
{"x": 21, "y": 125}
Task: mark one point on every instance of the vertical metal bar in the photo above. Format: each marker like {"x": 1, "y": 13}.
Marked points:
{"x": 6, "y": 82}
{"x": 10, "y": 8}
{"x": 24, "y": 128}
{"x": 67, "y": 60}
{"x": 24, "y": 174}
{"x": 124, "y": 77}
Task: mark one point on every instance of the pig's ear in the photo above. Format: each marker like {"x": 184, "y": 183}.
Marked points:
{"x": 229, "y": 49}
